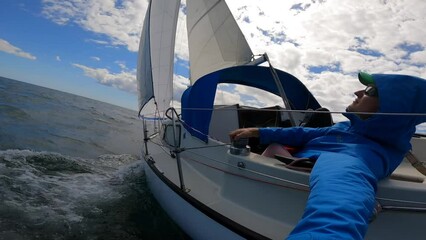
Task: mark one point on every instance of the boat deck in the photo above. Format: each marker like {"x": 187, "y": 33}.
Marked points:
{"x": 260, "y": 194}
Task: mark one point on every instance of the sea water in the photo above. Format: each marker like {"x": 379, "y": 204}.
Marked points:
{"x": 70, "y": 169}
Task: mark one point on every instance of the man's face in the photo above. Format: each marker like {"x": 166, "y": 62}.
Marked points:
{"x": 364, "y": 103}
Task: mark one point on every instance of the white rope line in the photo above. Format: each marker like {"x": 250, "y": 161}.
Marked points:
{"x": 401, "y": 201}
{"x": 298, "y": 111}
{"x": 231, "y": 165}
{"x": 385, "y": 207}
{"x": 165, "y": 148}
{"x": 421, "y": 206}
{"x": 306, "y": 111}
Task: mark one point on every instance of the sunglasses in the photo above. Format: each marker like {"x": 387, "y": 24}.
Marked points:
{"x": 371, "y": 91}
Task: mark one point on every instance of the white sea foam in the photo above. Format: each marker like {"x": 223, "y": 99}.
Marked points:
{"x": 56, "y": 193}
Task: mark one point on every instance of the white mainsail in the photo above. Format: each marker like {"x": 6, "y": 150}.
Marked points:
{"x": 156, "y": 56}
{"x": 214, "y": 38}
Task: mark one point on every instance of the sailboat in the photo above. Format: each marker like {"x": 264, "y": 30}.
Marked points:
{"x": 216, "y": 190}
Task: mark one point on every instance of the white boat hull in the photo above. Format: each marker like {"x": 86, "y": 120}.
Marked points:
{"x": 254, "y": 197}
{"x": 193, "y": 221}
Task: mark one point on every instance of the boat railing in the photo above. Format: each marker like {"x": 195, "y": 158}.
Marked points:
{"x": 174, "y": 116}
{"x": 176, "y": 150}
{"x": 158, "y": 118}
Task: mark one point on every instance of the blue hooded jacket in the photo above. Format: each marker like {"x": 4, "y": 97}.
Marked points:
{"x": 352, "y": 156}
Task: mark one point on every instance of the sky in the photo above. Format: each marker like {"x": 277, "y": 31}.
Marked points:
{"x": 89, "y": 48}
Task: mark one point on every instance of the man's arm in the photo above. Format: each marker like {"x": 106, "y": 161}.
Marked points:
{"x": 294, "y": 136}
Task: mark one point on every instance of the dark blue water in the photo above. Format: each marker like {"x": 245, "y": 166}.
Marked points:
{"x": 70, "y": 169}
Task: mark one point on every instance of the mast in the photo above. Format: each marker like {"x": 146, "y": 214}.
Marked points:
{"x": 281, "y": 90}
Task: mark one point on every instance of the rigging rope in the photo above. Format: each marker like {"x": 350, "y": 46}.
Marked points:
{"x": 305, "y": 186}
{"x": 410, "y": 157}
{"x": 301, "y": 186}
{"x": 416, "y": 163}
{"x": 306, "y": 111}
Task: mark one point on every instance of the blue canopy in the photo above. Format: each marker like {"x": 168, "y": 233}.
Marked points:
{"x": 197, "y": 100}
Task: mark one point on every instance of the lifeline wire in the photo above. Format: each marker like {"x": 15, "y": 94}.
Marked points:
{"x": 308, "y": 111}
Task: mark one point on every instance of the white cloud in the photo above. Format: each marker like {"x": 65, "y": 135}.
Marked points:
{"x": 227, "y": 98}
{"x": 181, "y": 48}
{"x": 419, "y": 57}
{"x": 180, "y": 85}
{"x": 101, "y": 42}
{"x": 122, "y": 65}
{"x": 348, "y": 35}
{"x": 120, "y": 21}
{"x": 124, "y": 80}
{"x": 421, "y": 128}
{"x": 341, "y": 37}
{"x": 121, "y": 24}
{"x": 58, "y": 58}
{"x": 5, "y": 46}
{"x": 96, "y": 58}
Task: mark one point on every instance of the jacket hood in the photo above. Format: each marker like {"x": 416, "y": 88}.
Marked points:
{"x": 397, "y": 94}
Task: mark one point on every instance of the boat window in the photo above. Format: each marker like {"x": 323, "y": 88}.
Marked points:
{"x": 230, "y": 94}
{"x": 421, "y": 129}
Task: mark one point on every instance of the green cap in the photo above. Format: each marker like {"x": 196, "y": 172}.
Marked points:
{"x": 365, "y": 78}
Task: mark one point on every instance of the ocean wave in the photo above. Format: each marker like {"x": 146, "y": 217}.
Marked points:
{"x": 13, "y": 112}
{"x": 46, "y": 195}
{"x": 75, "y": 183}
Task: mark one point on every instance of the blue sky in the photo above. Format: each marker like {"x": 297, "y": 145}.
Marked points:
{"x": 48, "y": 54}
{"x": 90, "y": 47}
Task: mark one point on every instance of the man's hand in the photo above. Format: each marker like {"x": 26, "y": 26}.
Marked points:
{"x": 244, "y": 133}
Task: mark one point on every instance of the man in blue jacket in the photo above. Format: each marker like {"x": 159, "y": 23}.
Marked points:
{"x": 352, "y": 156}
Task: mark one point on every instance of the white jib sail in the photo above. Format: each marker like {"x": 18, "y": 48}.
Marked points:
{"x": 156, "y": 56}
{"x": 214, "y": 38}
